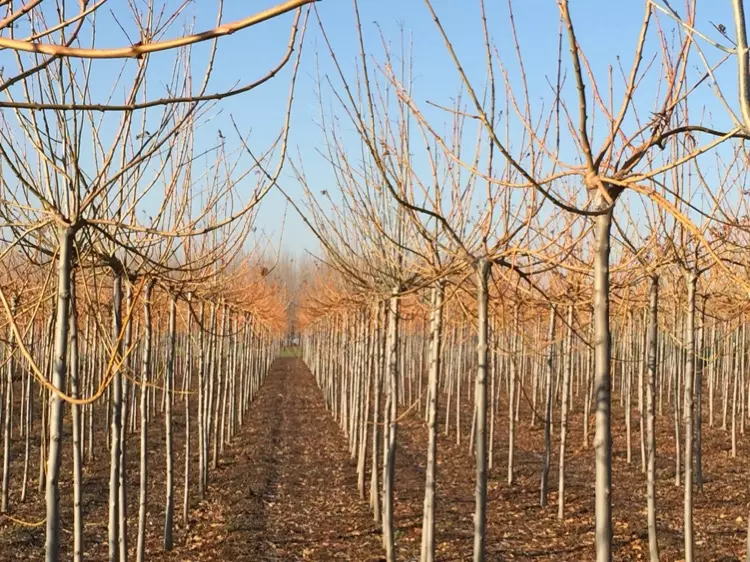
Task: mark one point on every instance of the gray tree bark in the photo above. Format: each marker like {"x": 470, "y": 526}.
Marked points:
{"x": 548, "y": 409}
{"x": 169, "y": 386}
{"x": 8, "y": 410}
{"x": 392, "y": 416}
{"x": 115, "y": 421}
{"x": 145, "y": 376}
{"x": 653, "y": 311}
{"x": 75, "y": 411}
{"x": 602, "y": 394}
{"x": 692, "y": 280}
{"x": 564, "y": 415}
{"x": 377, "y": 384}
{"x": 428, "y": 518}
{"x": 122, "y": 501}
{"x": 480, "y": 516}
{"x": 511, "y": 414}
{"x": 65, "y": 257}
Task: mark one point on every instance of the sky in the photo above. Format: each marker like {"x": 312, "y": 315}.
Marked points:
{"x": 435, "y": 77}
{"x": 606, "y": 29}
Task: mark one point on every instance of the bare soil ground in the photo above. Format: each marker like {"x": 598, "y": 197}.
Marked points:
{"x": 285, "y": 490}
{"x": 519, "y": 529}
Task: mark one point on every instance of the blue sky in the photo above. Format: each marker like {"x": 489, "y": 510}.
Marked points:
{"x": 607, "y": 29}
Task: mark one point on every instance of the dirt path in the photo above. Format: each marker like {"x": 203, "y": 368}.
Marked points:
{"x": 287, "y": 489}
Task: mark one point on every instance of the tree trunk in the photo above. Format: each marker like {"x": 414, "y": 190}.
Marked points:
{"x": 145, "y": 376}
{"x": 564, "y": 415}
{"x": 52, "y": 546}
{"x": 692, "y": 280}
{"x": 736, "y": 369}
{"x": 122, "y": 502}
{"x": 511, "y": 414}
{"x": 391, "y": 413}
{"x": 699, "y": 366}
{"x": 201, "y": 400}
{"x": 116, "y": 385}
{"x": 653, "y": 310}
{"x": 428, "y": 520}
{"x": 548, "y": 409}
{"x": 169, "y": 385}
{"x": 188, "y": 383}
{"x": 8, "y": 410}
{"x": 483, "y": 273}
{"x": 28, "y": 412}
{"x": 75, "y": 411}
{"x": 602, "y": 358}
{"x": 642, "y": 360}
{"x": 377, "y": 378}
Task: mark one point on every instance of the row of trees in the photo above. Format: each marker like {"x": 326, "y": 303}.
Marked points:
{"x": 514, "y": 201}
{"x": 137, "y": 289}
{"x": 199, "y": 353}
{"x": 539, "y": 373}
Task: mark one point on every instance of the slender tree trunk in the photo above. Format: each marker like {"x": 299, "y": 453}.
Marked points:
{"x": 122, "y": 502}
{"x": 564, "y": 415}
{"x": 480, "y": 517}
{"x": 699, "y": 367}
{"x": 433, "y": 387}
{"x": 46, "y": 403}
{"x": 227, "y": 375}
{"x": 677, "y": 360}
{"x": 366, "y": 363}
{"x": 548, "y": 408}
{"x": 145, "y": 376}
{"x": 692, "y": 280}
{"x": 90, "y": 425}
{"x": 75, "y": 411}
{"x": 377, "y": 378}
{"x": 589, "y": 389}
{"x": 737, "y": 355}
{"x": 169, "y": 385}
{"x": 115, "y": 421}
{"x": 392, "y": 413}
{"x": 28, "y": 409}
{"x": 188, "y": 385}
{"x": 602, "y": 359}
{"x": 511, "y": 414}
{"x": 219, "y": 375}
{"x": 8, "y": 410}
{"x": 201, "y": 400}
{"x": 52, "y": 546}
{"x": 626, "y": 390}
{"x": 642, "y": 361}
{"x": 652, "y": 346}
